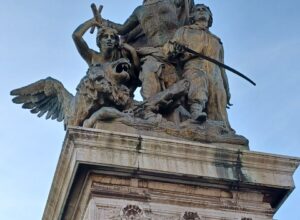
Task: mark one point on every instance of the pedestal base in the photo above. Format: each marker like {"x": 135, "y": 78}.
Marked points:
{"x": 107, "y": 175}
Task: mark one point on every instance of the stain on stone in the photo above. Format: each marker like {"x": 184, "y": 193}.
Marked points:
{"x": 224, "y": 168}
{"x": 242, "y": 177}
{"x": 139, "y": 145}
{"x": 228, "y": 168}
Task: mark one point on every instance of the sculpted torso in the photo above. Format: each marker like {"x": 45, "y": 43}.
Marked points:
{"x": 210, "y": 45}
{"x": 98, "y": 58}
{"x": 159, "y": 21}
{"x": 204, "y": 42}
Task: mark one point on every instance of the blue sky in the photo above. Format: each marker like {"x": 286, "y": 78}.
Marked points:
{"x": 261, "y": 39}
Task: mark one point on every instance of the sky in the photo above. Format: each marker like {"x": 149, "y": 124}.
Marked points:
{"x": 261, "y": 39}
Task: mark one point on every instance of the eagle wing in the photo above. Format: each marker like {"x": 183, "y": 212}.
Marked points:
{"x": 45, "y": 96}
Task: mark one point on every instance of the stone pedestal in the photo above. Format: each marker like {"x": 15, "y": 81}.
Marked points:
{"x": 104, "y": 175}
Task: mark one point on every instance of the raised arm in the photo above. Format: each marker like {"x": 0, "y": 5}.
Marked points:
{"x": 185, "y": 8}
{"x": 131, "y": 23}
{"x": 181, "y": 3}
{"x": 82, "y": 47}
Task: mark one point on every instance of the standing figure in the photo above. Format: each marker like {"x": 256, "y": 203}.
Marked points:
{"x": 158, "y": 20}
{"x": 209, "y": 90}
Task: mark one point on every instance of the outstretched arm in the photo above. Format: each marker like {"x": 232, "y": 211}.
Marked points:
{"x": 81, "y": 45}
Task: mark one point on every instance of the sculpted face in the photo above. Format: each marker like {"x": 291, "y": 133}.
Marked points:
{"x": 202, "y": 13}
{"x": 107, "y": 39}
{"x": 118, "y": 71}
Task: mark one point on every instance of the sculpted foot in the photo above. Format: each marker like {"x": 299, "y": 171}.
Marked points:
{"x": 197, "y": 112}
{"x": 153, "y": 118}
{"x": 89, "y": 123}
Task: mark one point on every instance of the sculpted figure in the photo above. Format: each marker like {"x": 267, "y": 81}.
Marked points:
{"x": 110, "y": 49}
{"x": 173, "y": 94}
{"x": 105, "y": 91}
{"x": 209, "y": 90}
{"x": 158, "y": 19}
{"x": 108, "y": 42}
{"x": 101, "y": 90}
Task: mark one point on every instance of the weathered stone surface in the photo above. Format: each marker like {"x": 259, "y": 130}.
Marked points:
{"x": 101, "y": 85}
{"x": 113, "y": 175}
{"x": 180, "y": 69}
{"x": 172, "y": 156}
{"x": 207, "y": 132}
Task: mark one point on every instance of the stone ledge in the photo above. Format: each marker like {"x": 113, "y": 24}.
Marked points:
{"x": 165, "y": 160}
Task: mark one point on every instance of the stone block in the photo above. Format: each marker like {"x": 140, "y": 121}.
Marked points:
{"x": 112, "y": 175}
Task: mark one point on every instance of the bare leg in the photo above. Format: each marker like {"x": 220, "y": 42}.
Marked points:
{"x": 103, "y": 114}
{"x": 149, "y": 75}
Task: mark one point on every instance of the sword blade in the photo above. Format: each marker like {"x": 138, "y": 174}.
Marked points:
{"x": 219, "y": 64}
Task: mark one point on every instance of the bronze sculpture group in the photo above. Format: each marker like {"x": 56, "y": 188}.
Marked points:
{"x": 183, "y": 95}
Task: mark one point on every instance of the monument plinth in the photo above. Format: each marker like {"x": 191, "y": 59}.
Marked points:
{"x": 173, "y": 155}
{"x": 112, "y": 175}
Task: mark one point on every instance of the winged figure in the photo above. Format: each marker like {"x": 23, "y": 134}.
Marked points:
{"x": 103, "y": 86}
